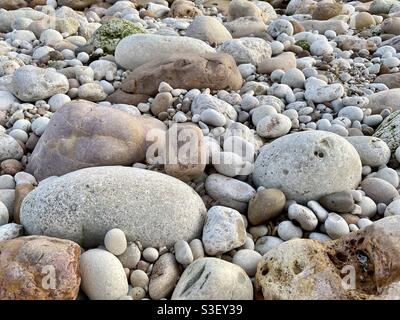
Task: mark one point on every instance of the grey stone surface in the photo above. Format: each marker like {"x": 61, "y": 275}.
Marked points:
{"x": 9, "y": 148}
{"x": 163, "y": 277}
{"x": 373, "y": 151}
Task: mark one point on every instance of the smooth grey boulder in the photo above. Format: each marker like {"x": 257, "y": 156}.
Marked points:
{"x": 384, "y": 99}
{"x": 308, "y": 165}
{"x": 373, "y": 151}
{"x": 9, "y": 148}
{"x": 83, "y": 205}
{"x": 208, "y": 29}
{"x": 138, "y": 49}
{"x": 213, "y": 279}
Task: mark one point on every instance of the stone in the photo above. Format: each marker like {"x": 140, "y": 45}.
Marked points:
{"x": 4, "y": 215}
{"x": 280, "y": 26}
{"x": 25, "y": 269}
{"x": 213, "y": 118}
{"x": 285, "y": 61}
{"x": 184, "y": 8}
{"x": 388, "y": 131}
{"x": 183, "y": 253}
{"x": 139, "y": 278}
{"x": 205, "y": 101}
{"x": 247, "y": 260}
{"x": 384, "y": 99}
{"x": 245, "y": 26}
{"x": 223, "y": 230}
{"x": 208, "y": 29}
{"x": 287, "y": 230}
{"x": 6, "y": 100}
{"x": 229, "y": 192}
{"x": 213, "y": 279}
{"x": 126, "y": 207}
{"x": 363, "y": 20}
{"x": 336, "y": 226}
{"x": 121, "y": 97}
{"x": 112, "y": 32}
{"x": 393, "y": 208}
{"x": 267, "y": 243}
{"x": 368, "y": 207}
{"x": 115, "y": 241}
{"x": 304, "y": 217}
{"x": 340, "y": 27}
{"x": 77, "y": 4}
{"x": 146, "y": 48}
{"x": 130, "y": 257}
{"x": 319, "y": 91}
{"x": 372, "y": 252}
{"x": 320, "y": 48}
{"x": 325, "y": 11}
{"x": 116, "y": 139}
{"x": 391, "y": 80}
{"x": 391, "y": 25}
{"x": 150, "y": 254}
{"x": 103, "y": 277}
{"x": 324, "y": 155}
{"x": 9, "y": 148}
{"x": 7, "y": 196}
{"x": 274, "y": 126}
{"x": 163, "y": 277}
{"x": 265, "y": 205}
{"x": 381, "y": 6}
{"x": 185, "y": 71}
{"x": 294, "y": 78}
{"x": 247, "y": 50}
{"x": 341, "y": 202}
{"x": 379, "y": 190}
{"x": 373, "y": 151}
{"x": 388, "y": 174}
{"x": 30, "y": 83}
{"x": 190, "y": 165}
{"x": 91, "y": 92}
{"x": 21, "y": 191}
{"x": 196, "y": 246}
{"x": 10, "y": 231}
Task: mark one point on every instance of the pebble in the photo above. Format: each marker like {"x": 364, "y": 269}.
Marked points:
{"x": 115, "y": 241}
{"x": 336, "y": 226}
{"x": 287, "y": 231}
{"x": 130, "y": 257}
{"x": 380, "y": 191}
{"x": 150, "y": 254}
{"x": 304, "y": 216}
{"x": 265, "y": 205}
{"x": 139, "y": 278}
{"x": 247, "y": 260}
{"x": 183, "y": 253}
{"x": 4, "y": 216}
{"x": 274, "y": 126}
{"x": 341, "y": 202}
{"x": 197, "y": 248}
{"x": 267, "y": 243}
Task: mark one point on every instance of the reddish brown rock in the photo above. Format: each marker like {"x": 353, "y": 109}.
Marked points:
{"x": 362, "y": 265}
{"x": 77, "y": 4}
{"x": 39, "y": 268}
{"x": 391, "y": 80}
{"x": 21, "y": 191}
{"x": 11, "y": 166}
{"x": 120, "y": 96}
{"x": 216, "y": 71}
{"x": 83, "y": 134}
{"x": 325, "y": 11}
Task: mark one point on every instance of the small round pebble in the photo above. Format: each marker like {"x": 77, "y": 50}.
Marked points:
{"x": 287, "y": 231}
{"x": 336, "y": 226}
{"x": 150, "y": 254}
{"x": 183, "y": 253}
{"x": 139, "y": 278}
{"x": 247, "y": 260}
{"x": 115, "y": 241}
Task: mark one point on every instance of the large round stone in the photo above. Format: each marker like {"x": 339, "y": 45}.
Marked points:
{"x": 82, "y": 206}
{"x": 308, "y": 165}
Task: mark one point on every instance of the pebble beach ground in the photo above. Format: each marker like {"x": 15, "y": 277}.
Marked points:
{"x": 199, "y": 150}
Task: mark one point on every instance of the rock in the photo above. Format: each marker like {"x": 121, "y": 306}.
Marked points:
{"x": 384, "y": 99}
{"x": 6, "y": 100}
{"x": 213, "y": 279}
{"x": 103, "y": 277}
{"x": 243, "y": 8}
{"x": 4, "y": 215}
{"x": 163, "y": 277}
{"x": 9, "y": 148}
{"x": 229, "y": 192}
{"x": 267, "y": 243}
{"x": 139, "y": 278}
{"x": 184, "y": 8}
{"x": 379, "y": 190}
{"x": 371, "y": 253}
{"x": 393, "y": 208}
{"x": 130, "y": 257}
{"x": 266, "y": 205}
{"x": 116, "y": 138}
{"x": 183, "y": 253}
{"x": 21, "y": 191}
{"x": 126, "y": 207}
{"x": 115, "y": 241}
{"x": 185, "y": 71}
{"x": 7, "y": 196}
{"x": 112, "y": 32}
{"x": 30, "y": 83}
{"x": 39, "y": 268}
{"x": 304, "y": 216}
{"x": 318, "y": 91}
{"x": 274, "y": 126}
{"x": 208, "y": 29}
{"x": 247, "y": 260}
{"x": 336, "y": 226}
{"x": 146, "y": 48}
{"x": 368, "y": 207}
{"x": 325, "y": 11}
{"x": 320, "y": 48}
{"x": 381, "y": 6}
{"x": 76, "y": 4}
{"x": 185, "y": 165}
{"x": 391, "y": 80}
{"x": 388, "y": 131}
{"x": 324, "y": 154}
{"x": 205, "y": 101}
{"x": 213, "y": 118}
{"x": 373, "y": 151}
{"x": 280, "y": 26}
{"x": 150, "y": 254}
{"x": 121, "y": 97}
{"x": 247, "y": 50}
{"x": 91, "y": 92}
{"x": 363, "y": 20}
{"x": 245, "y": 26}
{"x": 285, "y": 61}
{"x": 391, "y": 25}
{"x": 10, "y": 231}
{"x": 223, "y": 230}
{"x": 338, "y": 26}
{"x": 341, "y": 202}
{"x": 388, "y": 174}
{"x": 294, "y": 78}
{"x": 288, "y": 231}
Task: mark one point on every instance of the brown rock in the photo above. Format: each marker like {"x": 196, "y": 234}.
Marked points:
{"x": 186, "y": 152}
{"x": 82, "y": 134}
{"x": 325, "y": 11}
{"x": 362, "y": 265}
{"x": 243, "y": 8}
{"x": 161, "y": 103}
{"x": 391, "y": 80}
{"x": 265, "y": 205}
{"x": 32, "y": 141}
{"x": 77, "y": 4}
{"x": 391, "y": 26}
{"x": 284, "y": 61}
{"x": 11, "y": 166}
{"x": 216, "y": 71}
{"x": 120, "y": 96}
{"x": 356, "y": 44}
{"x": 184, "y": 8}
{"x": 297, "y": 27}
{"x": 17, "y": 4}
{"x": 21, "y": 191}
{"x": 28, "y": 264}
{"x": 3, "y": 118}
{"x": 221, "y": 5}
{"x": 350, "y": 218}
{"x": 245, "y": 26}
{"x": 363, "y": 20}
{"x": 341, "y": 202}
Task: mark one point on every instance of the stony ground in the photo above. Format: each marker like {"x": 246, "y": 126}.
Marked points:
{"x": 199, "y": 150}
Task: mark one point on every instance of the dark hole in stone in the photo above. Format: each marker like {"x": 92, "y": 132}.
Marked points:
{"x": 319, "y": 154}
{"x": 264, "y": 271}
{"x": 340, "y": 256}
{"x": 285, "y": 172}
